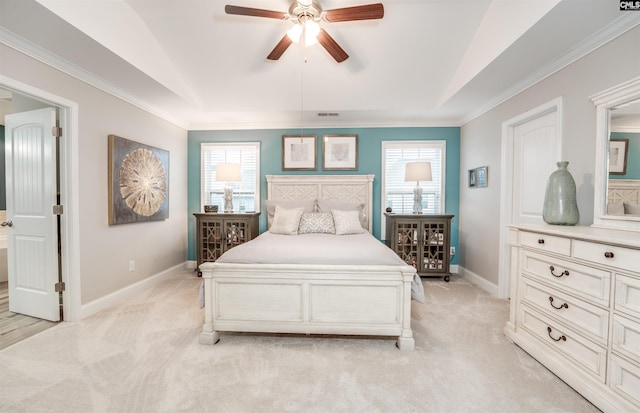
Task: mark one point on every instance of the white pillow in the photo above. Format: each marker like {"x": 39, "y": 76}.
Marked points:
{"x": 631, "y": 209}
{"x": 309, "y": 205}
{"x": 615, "y": 208}
{"x": 347, "y": 222}
{"x": 328, "y": 206}
{"x": 286, "y": 221}
{"x": 317, "y": 223}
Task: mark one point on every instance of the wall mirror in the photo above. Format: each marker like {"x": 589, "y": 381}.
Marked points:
{"x": 617, "y": 173}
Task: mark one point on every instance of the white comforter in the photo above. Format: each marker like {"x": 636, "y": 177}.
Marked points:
{"x": 356, "y": 249}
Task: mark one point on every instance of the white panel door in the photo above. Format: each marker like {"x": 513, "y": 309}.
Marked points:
{"x": 537, "y": 148}
{"x": 32, "y": 253}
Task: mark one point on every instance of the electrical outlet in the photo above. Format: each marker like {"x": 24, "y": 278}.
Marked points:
{"x": 132, "y": 265}
{"x": 452, "y": 251}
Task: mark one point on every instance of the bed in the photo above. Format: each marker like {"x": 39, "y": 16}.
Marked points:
{"x": 623, "y": 197}
{"x": 252, "y": 288}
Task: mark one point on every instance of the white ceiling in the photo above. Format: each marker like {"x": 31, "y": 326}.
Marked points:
{"x": 426, "y": 63}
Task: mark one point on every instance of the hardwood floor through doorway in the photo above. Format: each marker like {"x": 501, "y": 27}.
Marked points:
{"x": 16, "y": 327}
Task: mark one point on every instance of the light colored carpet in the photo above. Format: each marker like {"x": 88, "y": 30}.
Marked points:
{"x": 144, "y": 356}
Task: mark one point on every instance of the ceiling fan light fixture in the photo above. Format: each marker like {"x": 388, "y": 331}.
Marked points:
{"x": 295, "y": 33}
{"x": 305, "y": 15}
{"x": 311, "y": 31}
{"x": 305, "y": 32}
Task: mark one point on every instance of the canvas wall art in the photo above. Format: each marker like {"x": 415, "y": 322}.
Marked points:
{"x": 138, "y": 182}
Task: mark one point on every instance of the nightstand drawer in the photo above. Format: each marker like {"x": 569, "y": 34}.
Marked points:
{"x": 546, "y": 242}
{"x": 607, "y": 255}
{"x": 578, "y": 314}
{"x": 582, "y": 352}
{"x": 627, "y": 295}
{"x": 586, "y": 282}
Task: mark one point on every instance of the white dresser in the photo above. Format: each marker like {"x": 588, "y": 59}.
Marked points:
{"x": 575, "y": 307}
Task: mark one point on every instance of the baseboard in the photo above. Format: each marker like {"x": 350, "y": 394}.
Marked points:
{"x": 191, "y": 264}
{"x": 117, "y": 297}
{"x": 479, "y": 281}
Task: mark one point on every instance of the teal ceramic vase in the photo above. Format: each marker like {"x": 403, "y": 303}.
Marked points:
{"x": 560, "y": 206}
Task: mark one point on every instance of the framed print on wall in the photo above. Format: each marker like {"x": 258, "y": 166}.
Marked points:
{"x": 618, "y": 149}
{"x": 138, "y": 182}
{"x": 339, "y": 152}
{"x": 299, "y": 152}
{"x": 482, "y": 176}
{"x": 472, "y": 178}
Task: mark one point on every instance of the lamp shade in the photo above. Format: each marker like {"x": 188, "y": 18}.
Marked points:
{"x": 417, "y": 171}
{"x": 228, "y": 172}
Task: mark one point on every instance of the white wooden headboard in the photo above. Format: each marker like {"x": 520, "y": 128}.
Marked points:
{"x": 625, "y": 190}
{"x": 344, "y": 188}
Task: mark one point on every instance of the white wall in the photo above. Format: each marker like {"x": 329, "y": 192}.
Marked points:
{"x": 105, "y": 251}
{"x": 609, "y": 65}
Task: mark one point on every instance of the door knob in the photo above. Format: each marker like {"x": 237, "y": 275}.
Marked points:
{"x": 7, "y": 224}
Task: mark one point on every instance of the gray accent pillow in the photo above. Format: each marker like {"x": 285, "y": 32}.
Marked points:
{"x": 631, "y": 209}
{"x": 328, "y": 206}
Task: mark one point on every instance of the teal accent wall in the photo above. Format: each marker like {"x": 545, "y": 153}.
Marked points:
{"x": 369, "y": 162}
{"x": 633, "y": 155}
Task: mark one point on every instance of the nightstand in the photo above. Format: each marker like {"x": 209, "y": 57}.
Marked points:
{"x": 421, "y": 240}
{"x": 219, "y": 232}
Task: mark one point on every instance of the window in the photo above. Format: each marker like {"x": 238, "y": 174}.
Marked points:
{"x": 398, "y": 194}
{"x": 246, "y": 194}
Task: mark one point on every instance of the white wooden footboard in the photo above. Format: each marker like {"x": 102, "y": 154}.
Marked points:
{"x": 308, "y": 299}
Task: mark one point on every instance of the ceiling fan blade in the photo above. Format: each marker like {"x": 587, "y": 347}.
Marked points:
{"x": 364, "y": 12}
{"x": 332, "y": 46}
{"x": 280, "y": 48}
{"x": 248, "y": 11}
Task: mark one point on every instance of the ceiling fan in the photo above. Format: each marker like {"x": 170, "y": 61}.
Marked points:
{"x": 306, "y": 14}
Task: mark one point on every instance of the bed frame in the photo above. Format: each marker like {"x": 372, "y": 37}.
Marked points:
{"x": 310, "y": 299}
{"x": 626, "y": 190}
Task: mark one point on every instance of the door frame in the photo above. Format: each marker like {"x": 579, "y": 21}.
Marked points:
{"x": 506, "y": 184}
{"x": 69, "y": 220}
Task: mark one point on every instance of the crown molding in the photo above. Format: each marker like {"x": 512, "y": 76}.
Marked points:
{"x": 615, "y": 29}
{"x": 41, "y": 54}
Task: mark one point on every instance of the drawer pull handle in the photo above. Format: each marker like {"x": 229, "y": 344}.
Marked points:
{"x": 565, "y": 305}
{"x": 563, "y": 338}
{"x": 540, "y": 241}
{"x": 608, "y": 254}
{"x": 563, "y": 273}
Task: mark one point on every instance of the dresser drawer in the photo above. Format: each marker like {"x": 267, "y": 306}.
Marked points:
{"x": 627, "y": 295}
{"x": 578, "y": 314}
{"x": 580, "y": 351}
{"x": 626, "y": 337}
{"x": 586, "y": 282}
{"x": 608, "y": 255}
{"x": 545, "y": 242}
{"x": 624, "y": 379}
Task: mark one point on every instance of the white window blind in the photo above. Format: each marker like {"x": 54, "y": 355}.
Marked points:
{"x": 246, "y": 194}
{"x": 398, "y": 194}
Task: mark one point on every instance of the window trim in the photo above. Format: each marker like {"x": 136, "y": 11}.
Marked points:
{"x": 438, "y": 144}
{"x": 229, "y": 145}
